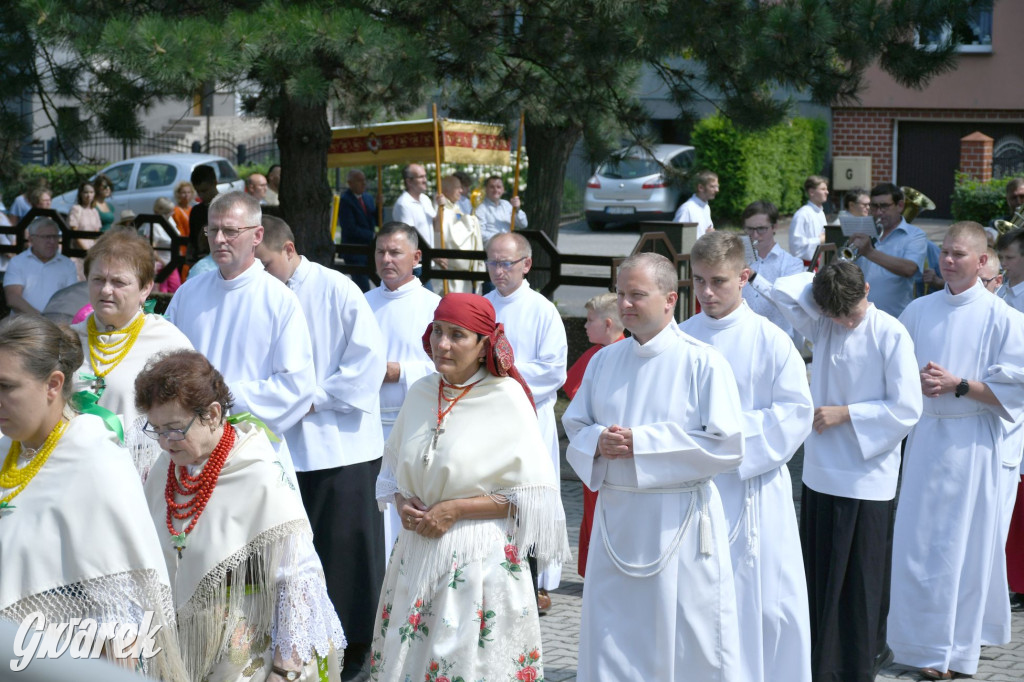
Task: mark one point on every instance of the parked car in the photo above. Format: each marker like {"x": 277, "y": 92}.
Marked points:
{"x": 632, "y": 185}
{"x": 138, "y": 182}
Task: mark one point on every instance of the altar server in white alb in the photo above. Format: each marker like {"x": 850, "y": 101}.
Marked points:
{"x": 249, "y": 325}
{"x": 771, "y": 261}
{"x": 403, "y": 308}
{"x": 807, "y": 228}
{"x": 696, "y": 209}
{"x": 771, "y": 590}
{"x": 337, "y": 446}
{"x": 657, "y": 416}
{"x": 866, "y": 394}
{"x": 535, "y": 330}
{"x": 970, "y": 348}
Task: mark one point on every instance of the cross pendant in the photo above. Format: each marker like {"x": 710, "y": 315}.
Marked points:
{"x": 99, "y": 385}
{"x": 437, "y": 432}
{"x": 180, "y": 550}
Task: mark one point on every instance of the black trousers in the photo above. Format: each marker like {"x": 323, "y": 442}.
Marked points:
{"x": 348, "y": 533}
{"x": 847, "y": 547}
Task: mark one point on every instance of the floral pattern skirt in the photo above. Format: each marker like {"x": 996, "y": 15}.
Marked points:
{"x": 477, "y": 624}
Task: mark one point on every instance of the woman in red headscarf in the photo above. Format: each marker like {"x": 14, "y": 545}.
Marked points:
{"x": 469, "y": 472}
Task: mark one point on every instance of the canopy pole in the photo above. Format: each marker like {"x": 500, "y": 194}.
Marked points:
{"x": 380, "y": 196}
{"x": 519, "y": 158}
{"x": 440, "y": 203}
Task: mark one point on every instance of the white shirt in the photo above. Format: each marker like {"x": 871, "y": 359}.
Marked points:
{"x": 872, "y": 370}
{"x": 418, "y": 213}
{"x": 776, "y": 264}
{"x": 252, "y": 330}
{"x": 348, "y": 358}
{"x": 40, "y": 280}
{"x": 805, "y": 231}
{"x": 403, "y": 316}
{"x": 679, "y": 397}
{"x": 695, "y": 210}
{"x": 496, "y": 218}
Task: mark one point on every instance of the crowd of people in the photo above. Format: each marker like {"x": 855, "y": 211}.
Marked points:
{"x": 300, "y": 480}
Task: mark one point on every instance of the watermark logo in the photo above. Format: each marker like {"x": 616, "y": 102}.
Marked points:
{"x": 83, "y": 638}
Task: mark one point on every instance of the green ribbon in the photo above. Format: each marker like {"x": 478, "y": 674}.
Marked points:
{"x": 250, "y": 418}
{"x": 87, "y": 403}
{"x": 149, "y": 306}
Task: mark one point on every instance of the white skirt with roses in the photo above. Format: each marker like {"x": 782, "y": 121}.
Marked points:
{"x": 476, "y": 621}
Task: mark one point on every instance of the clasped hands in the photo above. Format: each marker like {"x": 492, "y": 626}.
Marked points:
{"x": 431, "y": 522}
{"x": 936, "y": 380}
{"x": 615, "y": 442}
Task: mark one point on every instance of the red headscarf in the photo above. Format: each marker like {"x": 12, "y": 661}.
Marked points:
{"x": 476, "y": 314}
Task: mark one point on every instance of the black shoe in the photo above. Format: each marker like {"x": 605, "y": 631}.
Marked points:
{"x": 357, "y": 663}
{"x": 884, "y": 659}
{"x": 1016, "y": 602}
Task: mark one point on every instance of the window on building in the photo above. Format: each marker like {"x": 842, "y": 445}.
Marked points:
{"x": 973, "y": 34}
{"x": 1008, "y": 157}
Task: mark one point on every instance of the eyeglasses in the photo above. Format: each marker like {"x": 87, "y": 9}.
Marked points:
{"x": 988, "y": 280}
{"x": 230, "y": 234}
{"x": 169, "y": 434}
{"x": 47, "y": 237}
{"x": 503, "y": 264}
{"x": 759, "y": 229}
{"x": 865, "y": 204}
{"x": 881, "y": 207}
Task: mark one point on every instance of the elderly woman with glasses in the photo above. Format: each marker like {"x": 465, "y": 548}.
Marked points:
{"x": 249, "y": 591}
{"x": 120, "y": 336}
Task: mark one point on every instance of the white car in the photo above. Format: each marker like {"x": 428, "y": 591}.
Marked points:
{"x": 632, "y": 185}
{"x": 140, "y": 181}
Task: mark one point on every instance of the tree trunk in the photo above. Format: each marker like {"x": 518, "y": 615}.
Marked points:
{"x": 303, "y": 135}
{"x": 549, "y": 155}
{"x": 549, "y": 150}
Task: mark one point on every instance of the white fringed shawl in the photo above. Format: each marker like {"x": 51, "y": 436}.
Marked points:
{"x": 491, "y": 445}
{"x": 79, "y": 544}
{"x": 234, "y": 562}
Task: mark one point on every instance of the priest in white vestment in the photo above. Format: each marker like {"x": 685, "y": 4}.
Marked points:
{"x": 337, "y": 446}
{"x": 458, "y": 230}
{"x": 535, "y": 330}
{"x": 657, "y": 416}
{"x": 402, "y": 306}
{"x": 866, "y": 393}
{"x": 771, "y": 590}
{"x": 249, "y": 324}
{"x": 970, "y": 347}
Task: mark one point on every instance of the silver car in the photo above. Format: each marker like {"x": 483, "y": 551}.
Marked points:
{"x": 140, "y": 181}
{"x": 632, "y": 185}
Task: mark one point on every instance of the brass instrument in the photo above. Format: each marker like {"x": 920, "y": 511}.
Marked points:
{"x": 915, "y": 202}
{"x": 1004, "y": 226}
{"x": 850, "y": 252}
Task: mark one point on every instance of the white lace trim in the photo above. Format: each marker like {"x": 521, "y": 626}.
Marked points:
{"x": 306, "y": 623}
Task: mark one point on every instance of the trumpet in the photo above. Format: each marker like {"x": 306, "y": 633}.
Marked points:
{"x": 1004, "y": 226}
{"x": 850, "y": 251}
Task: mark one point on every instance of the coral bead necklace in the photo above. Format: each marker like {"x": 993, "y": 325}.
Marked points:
{"x": 442, "y": 411}
{"x": 195, "y": 490}
{"x": 16, "y": 480}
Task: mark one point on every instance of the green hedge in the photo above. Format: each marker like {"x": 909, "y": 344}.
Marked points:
{"x": 769, "y": 164}
{"x": 979, "y": 201}
{"x": 61, "y": 178}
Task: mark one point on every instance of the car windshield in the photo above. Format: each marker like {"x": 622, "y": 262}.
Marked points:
{"x": 629, "y": 167}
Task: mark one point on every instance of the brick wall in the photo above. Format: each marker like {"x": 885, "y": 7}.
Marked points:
{"x": 869, "y": 132}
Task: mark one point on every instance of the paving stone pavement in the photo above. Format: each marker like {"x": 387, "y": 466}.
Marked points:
{"x": 560, "y": 627}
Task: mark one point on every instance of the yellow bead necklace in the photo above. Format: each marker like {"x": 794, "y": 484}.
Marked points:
{"x": 104, "y": 357}
{"x": 14, "y": 479}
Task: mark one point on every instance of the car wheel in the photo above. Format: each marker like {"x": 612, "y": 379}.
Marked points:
{"x": 595, "y": 226}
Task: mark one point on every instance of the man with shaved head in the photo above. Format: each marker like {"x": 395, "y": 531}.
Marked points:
{"x": 970, "y": 348}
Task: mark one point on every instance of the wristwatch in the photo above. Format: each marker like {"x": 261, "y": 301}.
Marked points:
{"x": 962, "y": 388}
{"x": 290, "y": 675}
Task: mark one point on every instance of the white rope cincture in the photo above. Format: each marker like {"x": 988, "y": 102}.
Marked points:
{"x": 655, "y": 567}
